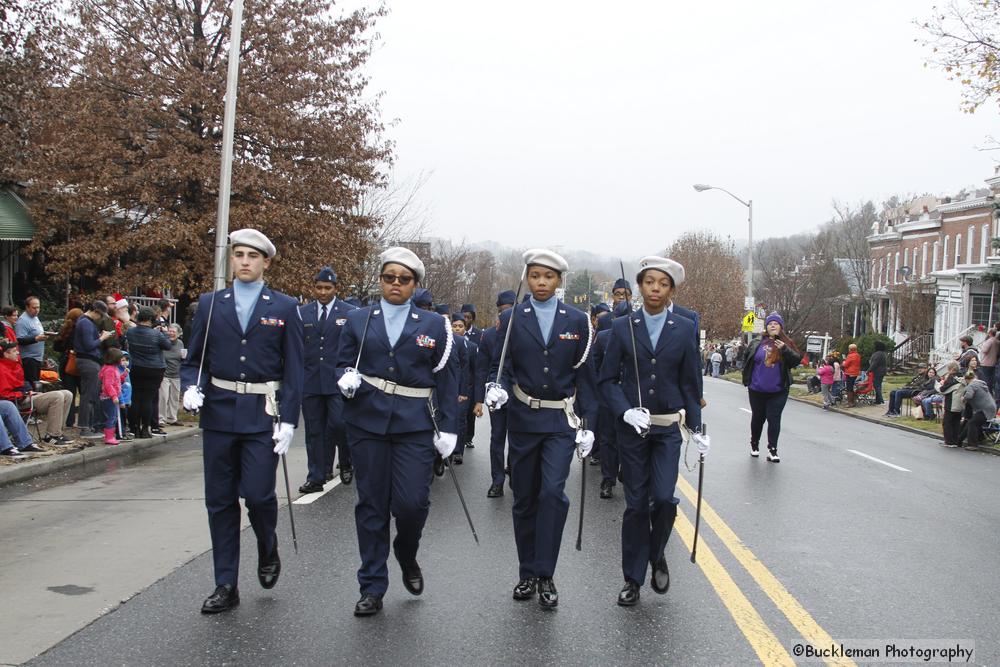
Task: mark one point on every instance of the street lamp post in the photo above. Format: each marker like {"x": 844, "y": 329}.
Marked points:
{"x": 700, "y": 187}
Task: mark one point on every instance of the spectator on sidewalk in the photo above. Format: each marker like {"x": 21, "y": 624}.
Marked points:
{"x": 111, "y": 391}
{"x": 170, "y": 389}
{"x": 952, "y": 387}
{"x": 31, "y": 337}
{"x": 968, "y": 352}
{"x": 988, "y": 352}
{"x": 825, "y": 373}
{"x": 51, "y": 406}
{"x": 852, "y": 369}
{"x": 927, "y": 380}
{"x": 146, "y": 346}
{"x": 12, "y": 423}
{"x": 980, "y": 402}
{"x": 87, "y": 341}
{"x": 125, "y": 400}
{"x": 878, "y": 365}
{"x": 716, "y": 363}
{"x": 63, "y": 344}
{"x": 9, "y": 315}
{"x": 162, "y": 313}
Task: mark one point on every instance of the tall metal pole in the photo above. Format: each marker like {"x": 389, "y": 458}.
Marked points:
{"x": 750, "y": 256}
{"x": 228, "y": 123}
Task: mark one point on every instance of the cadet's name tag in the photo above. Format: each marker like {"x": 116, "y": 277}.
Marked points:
{"x": 426, "y": 341}
{"x": 569, "y": 336}
{"x": 272, "y": 322}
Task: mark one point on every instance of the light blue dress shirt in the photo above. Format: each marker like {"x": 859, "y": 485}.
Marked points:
{"x": 395, "y": 319}
{"x": 654, "y": 325}
{"x": 246, "y": 300}
{"x": 545, "y": 311}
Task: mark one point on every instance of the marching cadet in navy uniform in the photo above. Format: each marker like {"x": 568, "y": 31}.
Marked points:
{"x": 606, "y": 418}
{"x": 547, "y": 371}
{"x": 651, "y": 427}
{"x": 247, "y": 340}
{"x": 498, "y": 418}
{"x": 322, "y": 403}
{"x": 476, "y": 336}
{"x": 393, "y": 358}
{"x": 467, "y": 392}
{"x": 621, "y": 291}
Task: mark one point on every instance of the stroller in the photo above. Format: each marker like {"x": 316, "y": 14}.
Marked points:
{"x": 864, "y": 389}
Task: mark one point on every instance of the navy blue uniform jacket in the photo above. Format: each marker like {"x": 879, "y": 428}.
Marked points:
{"x": 410, "y": 363}
{"x": 546, "y": 371}
{"x": 321, "y": 342}
{"x": 271, "y": 349}
{"x": 668, "y": 375}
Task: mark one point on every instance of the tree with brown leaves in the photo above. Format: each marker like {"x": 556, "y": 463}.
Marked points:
{"x": 713, "y": 283}
{"x": 128, "y": 167}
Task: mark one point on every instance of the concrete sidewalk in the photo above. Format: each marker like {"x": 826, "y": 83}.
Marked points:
{"x": 83, "y": 452}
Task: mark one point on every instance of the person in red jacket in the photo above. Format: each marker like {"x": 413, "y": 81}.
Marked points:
{"x": 852, "y": 369}
{"x": 51, "y": 405}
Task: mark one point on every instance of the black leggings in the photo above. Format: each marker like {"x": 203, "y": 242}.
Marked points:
{"x": 766, "y": 407}
{"x": 145, "y": 394}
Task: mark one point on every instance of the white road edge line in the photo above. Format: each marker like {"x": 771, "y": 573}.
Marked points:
{"x": 310, "y": 498}
{"x": 747, "y": 410}
{"x": 885, "y": 463}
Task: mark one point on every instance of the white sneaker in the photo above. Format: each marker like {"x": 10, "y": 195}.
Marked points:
{"x": 772, "y": 456}
{"x": 13, "y": 454}
{"x": 754, "y": 451}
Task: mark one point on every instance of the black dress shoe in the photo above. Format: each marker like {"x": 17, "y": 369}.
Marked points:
{"x": 456, "y": 459}
{"x": 525, "y": 589}
{"x": 346, "y": 475}
{"x": 224, "y": 598}
{"x": 607, "y": 489}
{"x": 413, "y": 578}
{"x": 496, "y": 490}
{"x": 660, "y": 578}
{"x": 157, "y": 431}
{"x": 548, "y": 596}
{"x": 629, "y": 596}
{"x": 311, "y": 487}
{"x": 470, "y": 445}
{"x": 439, "y": 466}
{"x": 144, "y": 434}
{"x": 368, "y": 605}
{"x": 268, "y": 567}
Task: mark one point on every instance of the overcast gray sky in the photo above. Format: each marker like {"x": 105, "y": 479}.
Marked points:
{"x": 586, "y": 123}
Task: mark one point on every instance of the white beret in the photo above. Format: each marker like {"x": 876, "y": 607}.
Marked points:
{"x": 668, "y": 266}
{"x": 406, "y": 257}
{"x": 121, "y": 303}
{"x": 253, "y": 239}
{"x": 547, "y": 258}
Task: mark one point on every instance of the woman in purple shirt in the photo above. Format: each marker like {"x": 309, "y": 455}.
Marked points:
{"x": 767, "y": 374}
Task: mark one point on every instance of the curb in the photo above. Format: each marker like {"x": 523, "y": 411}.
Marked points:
{"x": 882, "y": 422}
{"x": 51, "y": 464}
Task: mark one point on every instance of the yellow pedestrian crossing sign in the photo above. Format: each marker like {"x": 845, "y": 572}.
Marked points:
{"x": 748, "y": 321}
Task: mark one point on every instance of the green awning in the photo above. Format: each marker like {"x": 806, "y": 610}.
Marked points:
{"x": 15, "y": 221}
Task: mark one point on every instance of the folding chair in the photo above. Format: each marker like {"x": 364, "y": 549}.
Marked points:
{"x": 991, "y": 429}
{"x": 26, "y": 408}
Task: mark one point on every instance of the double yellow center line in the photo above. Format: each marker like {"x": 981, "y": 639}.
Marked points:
{"x": 765, "y": 644}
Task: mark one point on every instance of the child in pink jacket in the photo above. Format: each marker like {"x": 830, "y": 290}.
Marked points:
{"x": 825, "y": 373}
{"x": 110, "y": 380}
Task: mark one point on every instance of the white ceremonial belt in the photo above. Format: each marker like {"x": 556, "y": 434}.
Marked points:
{"x": 267, "y": 389}
{"x": 565, "y": 404}
{"x": 672, "y": 418}
{"x": 392, "y": 388}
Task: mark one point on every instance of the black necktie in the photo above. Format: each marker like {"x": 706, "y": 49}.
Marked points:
{"x": 322, "y": 316}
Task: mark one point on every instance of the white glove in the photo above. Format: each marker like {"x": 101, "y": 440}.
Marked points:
{"x": 496, "y": 396}
{"x": 349, "y": 382}
{"x": 637, "y": 418}
{"x": 584, "y": 443}
{"x": 445, "y": 444}
{"x": 703, "y": 442}
{"x": 282, "y": 437}
{"x": 193, "y": 398}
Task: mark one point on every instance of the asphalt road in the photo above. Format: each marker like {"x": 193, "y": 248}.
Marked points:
{"x": 893, "y": 541}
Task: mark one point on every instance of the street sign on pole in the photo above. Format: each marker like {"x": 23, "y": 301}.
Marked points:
{"x": 748, "y": 303}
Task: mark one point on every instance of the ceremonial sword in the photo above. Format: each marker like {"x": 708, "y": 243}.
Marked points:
{"x": 583, "y": 492}
{"x": 506, "y": 337}
{"x": 288, "y": 489}
{"x": 635, "y": 356}
{"x": 451, "y": 468}
{"x": 701, "y": 478}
